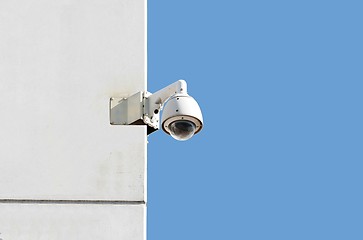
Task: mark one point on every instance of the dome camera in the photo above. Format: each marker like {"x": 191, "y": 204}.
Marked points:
{"x": 181, "y": 117}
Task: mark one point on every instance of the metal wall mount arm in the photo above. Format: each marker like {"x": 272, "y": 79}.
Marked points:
{"x": 143, "y": 108}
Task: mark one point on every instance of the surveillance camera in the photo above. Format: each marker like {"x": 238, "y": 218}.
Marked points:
{"x": 182, "y": 117}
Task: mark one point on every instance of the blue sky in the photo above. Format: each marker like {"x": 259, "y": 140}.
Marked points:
{"x": 280, "y": 85}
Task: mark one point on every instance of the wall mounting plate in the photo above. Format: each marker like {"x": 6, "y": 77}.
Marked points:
{"x": 130, "y": 111}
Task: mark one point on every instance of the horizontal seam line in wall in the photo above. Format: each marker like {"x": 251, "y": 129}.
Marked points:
{"x": 96, "y": 202}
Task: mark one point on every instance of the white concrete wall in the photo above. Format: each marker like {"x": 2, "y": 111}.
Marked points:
{"x": 60, "y": 62}
{"x": 71, "y": 222}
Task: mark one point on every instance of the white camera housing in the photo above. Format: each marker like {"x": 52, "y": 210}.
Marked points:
{"x": 183, "y": 111}
{"x": 181, "y": 118}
